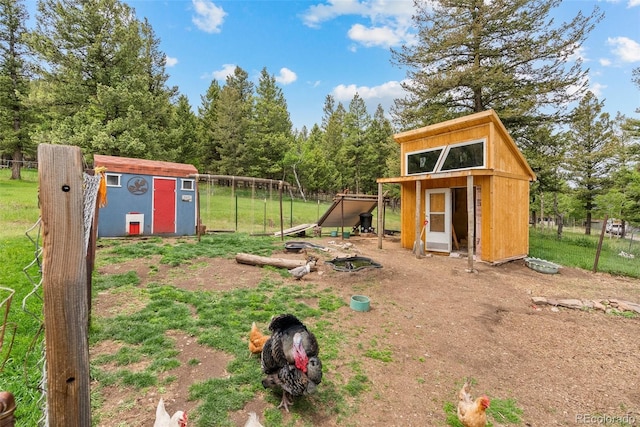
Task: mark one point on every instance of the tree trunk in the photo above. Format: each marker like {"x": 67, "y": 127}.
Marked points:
{"x": 558, "y": 215}
{"x": 260, "y": 261}
{"x": 16, "y": 165}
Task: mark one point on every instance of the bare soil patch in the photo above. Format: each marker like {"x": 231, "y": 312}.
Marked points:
{"x": 441, "y": 324}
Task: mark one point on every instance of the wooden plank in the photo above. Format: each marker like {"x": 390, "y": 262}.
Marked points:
{"x": 64, "y": 285}
{"x": 294, "y": 230}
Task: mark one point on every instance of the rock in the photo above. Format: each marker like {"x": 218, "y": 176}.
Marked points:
{"x": 629, "y": 306}
{"x": 598, "y": 306}
{"x": 539, "y": 300}
{"x": 570, "y": 303}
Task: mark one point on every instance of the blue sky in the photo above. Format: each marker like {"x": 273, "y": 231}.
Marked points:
{"x": 338, "y": 47}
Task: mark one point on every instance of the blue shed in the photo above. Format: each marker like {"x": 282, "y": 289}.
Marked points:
{"x": 147, "y": 197}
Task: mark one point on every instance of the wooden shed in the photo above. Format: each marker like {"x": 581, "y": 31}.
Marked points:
{"x": 147, "y": 197}
{"x": 467, "y": 184}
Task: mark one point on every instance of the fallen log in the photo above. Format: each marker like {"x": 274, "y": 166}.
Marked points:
{"x": 261, "y": 261}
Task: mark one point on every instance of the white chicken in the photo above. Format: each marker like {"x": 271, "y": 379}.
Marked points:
{"x": 299, "y": 272}
{"x": 253, "y": 420}
{"x": 163, "y": 419}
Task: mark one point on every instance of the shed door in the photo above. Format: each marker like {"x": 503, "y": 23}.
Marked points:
{"x": 438, "y": 212}
{"x": 164, "y": 205}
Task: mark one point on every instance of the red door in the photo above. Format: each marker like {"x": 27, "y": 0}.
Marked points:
{"x": 164, "y": 205}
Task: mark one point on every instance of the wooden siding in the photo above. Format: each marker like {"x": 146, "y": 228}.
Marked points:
{"x": 509, "y": 220}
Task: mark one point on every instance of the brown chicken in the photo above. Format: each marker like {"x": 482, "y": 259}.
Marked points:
{"x": 472, "y": 413}
{"x": 256, "y": 339}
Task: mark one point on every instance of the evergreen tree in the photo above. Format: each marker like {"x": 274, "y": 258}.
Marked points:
{"x": 332, "y": 147}
{"x": 106, "y": 77}
{"x": 209, "y": 145}
{"x": 506, "y": 55}
{"x": 271, "y": 137}
{"x": 352, "y": 160}
{"x": 15, "y": 114}
{"x": 591, "y": 152}
{"x": 234, "y": 111}
{"x": 184, "y": 135}
{"x": 379, "y": 149}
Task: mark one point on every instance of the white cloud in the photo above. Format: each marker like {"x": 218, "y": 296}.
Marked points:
{"x": 388, "y": 22}
{"x": 383, "y": 95}
{"x": 209, "y": 17}
{"x": 376, "y": 36}
{"x": 605, "y": 62}
{"x": 633, "y": 3}
{"x": 626, "y": 49}
{"x": 597, "y": 89}
{"x": 171, "y": 61}
{"x": 222, "y": 74}
{"x": 389, "y": 89}
{"x": 286, "y": 76}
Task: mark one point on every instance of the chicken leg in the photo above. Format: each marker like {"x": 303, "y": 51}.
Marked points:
{"x": 287, "y": 400}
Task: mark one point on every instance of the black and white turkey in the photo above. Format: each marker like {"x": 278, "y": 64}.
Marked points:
{"x": 290, "y": 359}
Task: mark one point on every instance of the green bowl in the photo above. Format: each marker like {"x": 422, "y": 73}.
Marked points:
{"x": 360, "y": 303}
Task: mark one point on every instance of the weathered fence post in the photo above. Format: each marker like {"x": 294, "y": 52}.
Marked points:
{"x": 64, "y": 275}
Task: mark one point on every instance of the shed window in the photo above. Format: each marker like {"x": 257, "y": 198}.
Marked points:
{"x": 467, "y": 155}
{"x": 464, "y": 156}
{"x": 188, "y": 185}
{"x": 423, "y": 161}
{"x": 113, "y": 180}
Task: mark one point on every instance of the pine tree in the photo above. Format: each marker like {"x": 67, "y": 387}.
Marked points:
{"x": 332, "y": 147}
{"x": 209, "y": 146}
{"x": 380, "y": 148}
{"x": 234, "y": 111}
{"x": 183, "y": 135}
{"x": 591, "y": 152}
{"x": 271, "y": 137}
{"x": 14, "y": 85}
{"x": 506, "y": 55}
{"x": 106, "y": 78}
{"x": 352, "y": 159}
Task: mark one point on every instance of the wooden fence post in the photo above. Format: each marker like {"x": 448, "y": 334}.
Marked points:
{"x": 64, "y": 275}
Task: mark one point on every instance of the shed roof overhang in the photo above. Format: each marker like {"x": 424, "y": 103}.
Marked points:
{"x": 456, "y": 174}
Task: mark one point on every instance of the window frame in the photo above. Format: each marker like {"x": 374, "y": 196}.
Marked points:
{"x": 116, "y": 175}
{"x": 193, "y": 184}
{"x": 446, "y": 149}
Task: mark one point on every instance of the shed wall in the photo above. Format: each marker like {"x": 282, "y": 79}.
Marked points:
{"x": 509, "y": 221}
{"x": 120, "y": 202}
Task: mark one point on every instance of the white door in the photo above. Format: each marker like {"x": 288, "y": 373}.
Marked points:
{"x": 438, "y": 212}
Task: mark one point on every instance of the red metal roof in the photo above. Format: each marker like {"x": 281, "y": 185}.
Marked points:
{"x": 143, "y": 166}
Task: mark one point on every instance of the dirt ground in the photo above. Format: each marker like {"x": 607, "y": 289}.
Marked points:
{"x": 562, "y": 366}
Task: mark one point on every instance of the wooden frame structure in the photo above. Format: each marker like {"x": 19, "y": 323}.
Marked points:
{"x": 466, "y": 180}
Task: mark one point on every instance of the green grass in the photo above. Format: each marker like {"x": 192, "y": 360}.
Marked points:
{"x": 579, "y": 250}
{"x": 258, "y": 212}
{"x": 18, "y": 202}
{"x": 218, "y": 320}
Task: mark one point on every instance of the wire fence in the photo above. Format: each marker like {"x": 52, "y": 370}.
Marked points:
{"x": 615, "y": 254}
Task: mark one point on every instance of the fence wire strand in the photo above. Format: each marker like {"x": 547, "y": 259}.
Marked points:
{"x": 33, "y": 271}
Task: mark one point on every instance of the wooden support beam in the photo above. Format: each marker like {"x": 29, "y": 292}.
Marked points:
{"x": 471, "y": 219}
{"x": 380, "y": 225}
{"x": 64, "y": 275}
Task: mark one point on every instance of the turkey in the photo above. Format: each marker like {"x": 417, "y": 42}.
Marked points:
{"x": 163, "y": 419}
{"x": 290, "y": 359}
